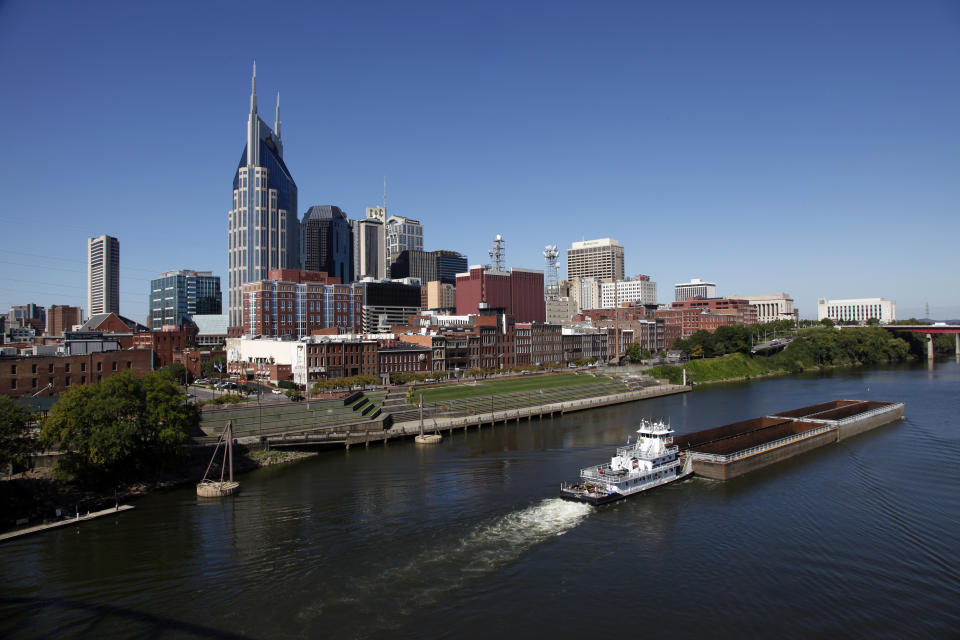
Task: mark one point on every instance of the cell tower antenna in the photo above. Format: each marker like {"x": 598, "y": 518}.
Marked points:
{"x": 551, "y": 284}
{"x": 497, "y": 253}
{"x": 928, "y": 311}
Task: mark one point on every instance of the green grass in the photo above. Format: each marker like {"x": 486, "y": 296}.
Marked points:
{"x": 498, "y": 387}
{"x": 728, "y": 367}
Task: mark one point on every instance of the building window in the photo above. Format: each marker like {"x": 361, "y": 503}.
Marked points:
{"x": 128, "y": 364}
{"x": 83, "y": 366}
{"x": 33, "y": 368}
{"x": 13, "y": 383}
{"x": 33, "y": 383}
{"x": 113, "y": 366}
{"x": 67, "y": 381}
{"x": 66, "y": 367}
{"x": 99, "y": 368}
{"x": 13, "y": 369}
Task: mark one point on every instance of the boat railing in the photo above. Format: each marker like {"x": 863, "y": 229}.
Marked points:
{"x": 630, "y": 450}
{"x": 869, "y": 414}
{"x": 593, "y": 473}
{"x": 743, "y": 453}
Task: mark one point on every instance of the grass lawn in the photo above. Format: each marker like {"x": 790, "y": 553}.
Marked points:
{"x": 498, "y": 387}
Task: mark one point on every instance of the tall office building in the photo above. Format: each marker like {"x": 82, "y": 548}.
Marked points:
{"x": 264, "y": 230}
{"x": 328, "y": 242}
{"x": 175, "y": 295}
{"x": 103, "y": 275}
{"x": 449, "y": 264}
{"x": 369, "y": 248}
{"x": 403, "y": 234}
{"x": 601, "y": 259}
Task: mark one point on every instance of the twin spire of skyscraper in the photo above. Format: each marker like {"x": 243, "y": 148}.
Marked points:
{"x": 253, "y": 100}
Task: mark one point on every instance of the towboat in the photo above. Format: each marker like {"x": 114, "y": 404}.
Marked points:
{"x": 648, "y": 463}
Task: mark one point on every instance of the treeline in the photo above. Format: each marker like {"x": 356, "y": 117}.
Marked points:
{"x": 812, "y": 348}
{"x": 115, "y": 430}
{"x": 735, "y": 338}
{"x": 362, "y": 380}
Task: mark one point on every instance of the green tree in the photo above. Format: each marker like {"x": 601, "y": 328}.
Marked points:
{"x": 637, "y": 352}
{"x": 119, "y": 427}
{"x": 208, "y": 368}
{"x": 827, "y": 322}
{"x": 16, "y": 444}
{"x": 177, "y": 372}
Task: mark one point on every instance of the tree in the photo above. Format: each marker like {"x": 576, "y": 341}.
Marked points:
{"x": 208, "y": 368}
{"x": 16, "y": 445}
{"x": 637, "y": 352}
{"x": 827, "y": 322}
{"x": 177, "y": 372}
{"x": 118, "y": 427}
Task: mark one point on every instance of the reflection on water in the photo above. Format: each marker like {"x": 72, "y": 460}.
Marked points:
{"x": 468, "y": 538}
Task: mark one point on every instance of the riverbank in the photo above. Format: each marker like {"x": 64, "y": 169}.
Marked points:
{"x": 35, "y": 496}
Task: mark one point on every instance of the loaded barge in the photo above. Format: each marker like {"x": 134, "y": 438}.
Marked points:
{"x": 735, "y": 449}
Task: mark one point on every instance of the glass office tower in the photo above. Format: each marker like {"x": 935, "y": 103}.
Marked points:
{"x": 264, "y": 229}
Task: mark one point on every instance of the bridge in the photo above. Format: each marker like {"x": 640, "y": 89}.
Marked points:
{"x": 929, "y": 329}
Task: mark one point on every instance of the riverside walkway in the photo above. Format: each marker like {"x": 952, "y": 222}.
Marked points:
{"x": 353, "y": 435}
{"x": 18, "y": 533}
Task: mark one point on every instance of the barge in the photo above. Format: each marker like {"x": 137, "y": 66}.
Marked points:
{"x": 732, "y": 450}
{"x": 649, "y": 463}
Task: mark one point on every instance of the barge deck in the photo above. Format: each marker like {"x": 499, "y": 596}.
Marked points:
{"x": 732, "y": 450}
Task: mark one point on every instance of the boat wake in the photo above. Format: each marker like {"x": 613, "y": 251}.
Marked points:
{"x": 434, "y": 573}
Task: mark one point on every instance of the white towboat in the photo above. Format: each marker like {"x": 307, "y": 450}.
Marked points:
{"x": 647, "y": 464}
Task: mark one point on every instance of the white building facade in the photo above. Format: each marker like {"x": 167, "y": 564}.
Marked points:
{"x": 103, "y": 275}
{"x": 585, "y": 293}
{"x": 774, "y": 306}
{"x": 696, "y": 288}
{"x": 857, "y": 310}
{"x": 403, "y": 234}
{"x": 639, "y": 290}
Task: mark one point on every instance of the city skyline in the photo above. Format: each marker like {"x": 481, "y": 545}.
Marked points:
{"x": 779, "y": 150}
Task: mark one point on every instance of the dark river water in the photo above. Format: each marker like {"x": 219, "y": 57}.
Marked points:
{"x": 468, "y": 539}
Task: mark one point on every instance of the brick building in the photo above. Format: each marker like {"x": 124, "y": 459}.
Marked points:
{"x": 519, "y": 292}
{"x": 62, "y": 317}
{"x": 166, "y": 343}
{"x": 29, "y": 375}
{"x": 538, "y": 343}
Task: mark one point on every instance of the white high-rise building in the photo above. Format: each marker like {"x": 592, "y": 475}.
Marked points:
{"x": 696, "y": 288}
{"x": 857, "y": 310}
{"x": 403, "y": 234}
{"x": 264, "y": 230}
{"x": 639, "y": 290}
{"x": 103, "y": 275}
{"x": 586, "y": 293}
{"x": 601, "y": 259}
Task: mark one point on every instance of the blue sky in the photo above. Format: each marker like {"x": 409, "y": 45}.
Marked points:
{"x": 807, "y": 147}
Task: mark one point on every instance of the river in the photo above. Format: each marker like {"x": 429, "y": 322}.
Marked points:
{"x": 468, "y": 539}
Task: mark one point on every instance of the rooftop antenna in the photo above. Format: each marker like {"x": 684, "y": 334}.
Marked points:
{"x": 253, "y": 89}
{"x": 384, "y": 193}
{"x": 497, "y": 253}
{"x": 276, "y": 127}
{"x": 550, "y": 255}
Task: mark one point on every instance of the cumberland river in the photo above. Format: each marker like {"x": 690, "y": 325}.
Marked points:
{"x": 467, "y": 539}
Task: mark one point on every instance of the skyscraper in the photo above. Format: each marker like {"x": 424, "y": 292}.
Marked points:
{"x": 328, "y": 242}
{"x": 174, "y": 295}
{"x": 103, "y": 275}
{"x": 369, "y": 248}
{"x": 601, "y": 259}
{"x": 264, "y": 230}
{"x": 403, "y": 234}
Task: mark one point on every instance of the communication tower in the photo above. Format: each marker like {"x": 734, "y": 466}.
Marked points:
{"x": 497, "y": 253}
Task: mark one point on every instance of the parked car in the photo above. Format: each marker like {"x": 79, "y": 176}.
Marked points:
{"x": 277, "y": 392}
